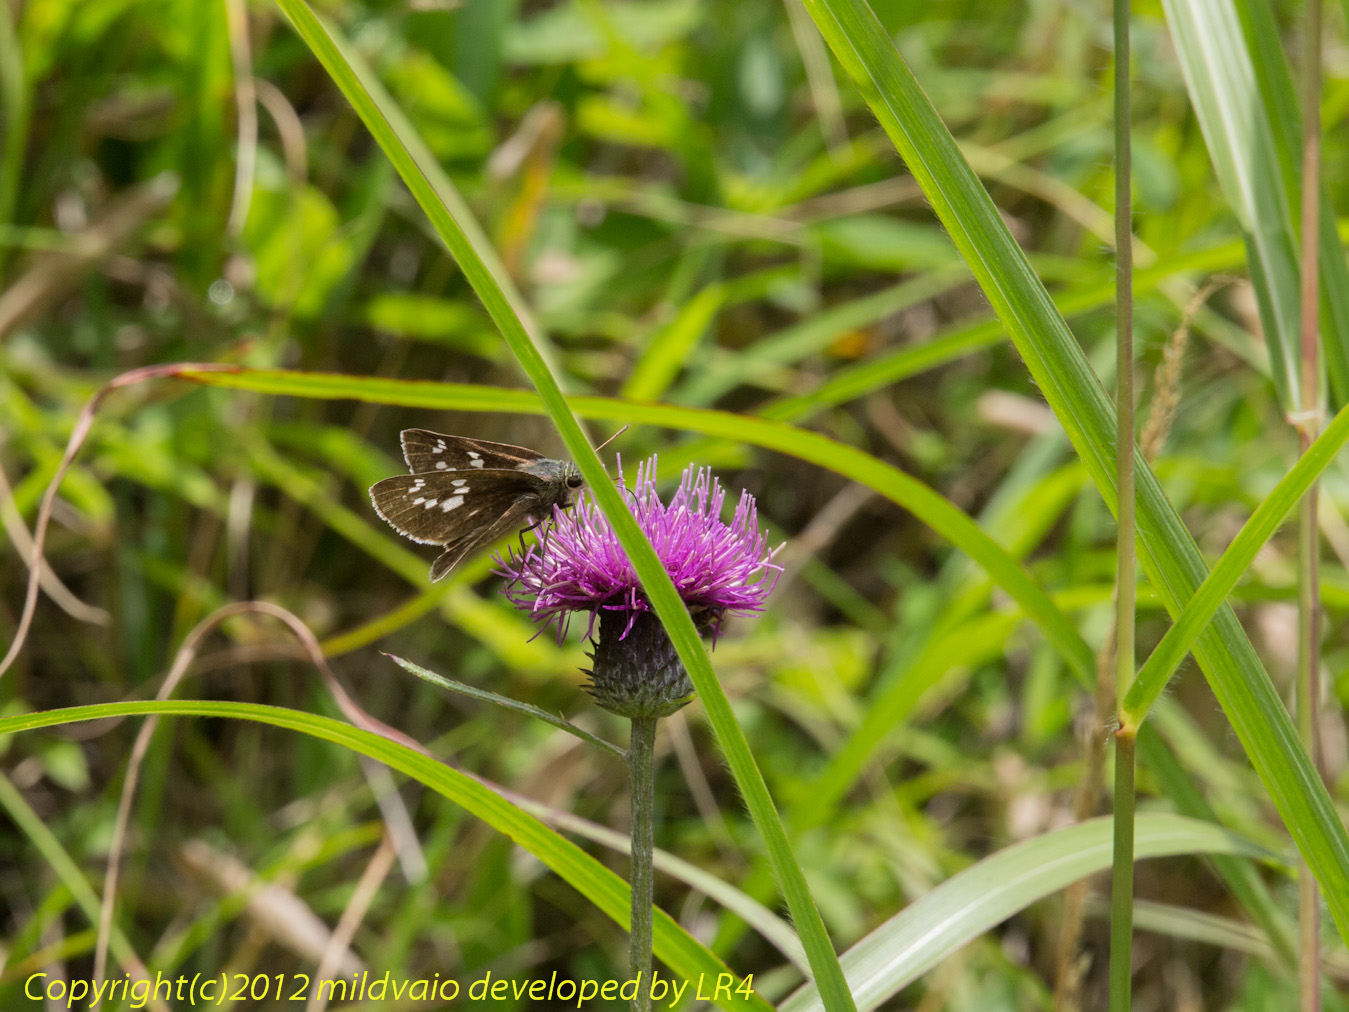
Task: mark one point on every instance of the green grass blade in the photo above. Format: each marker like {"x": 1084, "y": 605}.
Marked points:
{"x": 1168, "y": 552}
{"x": 987, "y": 893}
{"x": 852, "y": 463}
{"x": 1278, "y": 93}
{"x": 1240, "y": 137}
{"x": 469, "y": 246}
{"x": 1235, "y": 561}
{"x": 680, "y": 951}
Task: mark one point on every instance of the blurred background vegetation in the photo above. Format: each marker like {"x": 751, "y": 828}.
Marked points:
{"x": 700, "y": 210}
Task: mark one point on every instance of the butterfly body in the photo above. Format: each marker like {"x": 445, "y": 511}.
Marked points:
{"x": 463, "y": 493}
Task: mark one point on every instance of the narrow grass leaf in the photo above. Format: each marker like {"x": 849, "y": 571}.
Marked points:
{"x": 984, "y": 895}
{"x": 505, "y": 702}
{"x": 1221, "y": 81}
{"x": 1278, "y": 95}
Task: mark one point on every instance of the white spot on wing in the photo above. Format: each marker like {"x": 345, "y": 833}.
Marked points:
{"x": 430, "y": 503}
{"x": 439, "y": 447}
{"x": 477, "y": 461}
{"x": 418, "y": 501}
{"x": 454, "y": 502}
{"x": 441, "y": 465}
{"x": 458, "y": 481}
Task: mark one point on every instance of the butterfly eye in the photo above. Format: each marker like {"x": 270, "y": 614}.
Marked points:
{"x": 575, "y": 481}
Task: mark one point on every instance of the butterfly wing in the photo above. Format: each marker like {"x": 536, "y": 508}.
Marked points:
{"x": 438, "y": 507}
{"x": 425, "y": 450}
{"x": 513, "y": 518}
{"x": 464, "y": 493}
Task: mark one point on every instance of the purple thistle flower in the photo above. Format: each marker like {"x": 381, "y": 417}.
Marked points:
{"x": 717, "y": 568}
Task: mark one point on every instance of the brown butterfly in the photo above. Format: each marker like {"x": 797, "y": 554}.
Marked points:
{"x": 465, "y": 493}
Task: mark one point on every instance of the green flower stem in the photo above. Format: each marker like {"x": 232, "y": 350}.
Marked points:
{"x": 641, "y": 769}
{"x": 1122, "y": 875}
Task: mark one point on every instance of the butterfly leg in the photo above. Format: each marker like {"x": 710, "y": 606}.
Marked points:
{"x": 526, "y": 530}
{"x": 543, "y": 545}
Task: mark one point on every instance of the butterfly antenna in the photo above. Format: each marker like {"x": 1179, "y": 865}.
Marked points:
{"x": 611, "y": 439}
{"x": 607, "y": 442}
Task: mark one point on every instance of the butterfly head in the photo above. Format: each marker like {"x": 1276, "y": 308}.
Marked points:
{"x": 560, "y": 481}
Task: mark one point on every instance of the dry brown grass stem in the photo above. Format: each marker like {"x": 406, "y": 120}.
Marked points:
{"x": 60, "y": 594}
